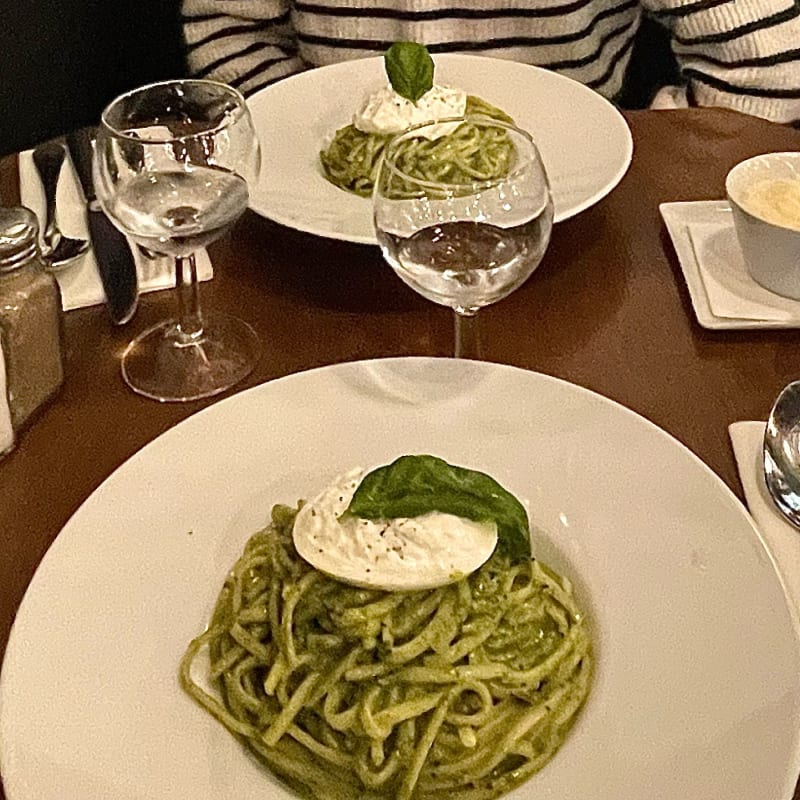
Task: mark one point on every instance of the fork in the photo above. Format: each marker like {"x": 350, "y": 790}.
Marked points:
{"x": 59, "y": 251}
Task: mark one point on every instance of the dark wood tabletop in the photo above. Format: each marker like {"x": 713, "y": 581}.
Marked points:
{"x": 608, "y": 309}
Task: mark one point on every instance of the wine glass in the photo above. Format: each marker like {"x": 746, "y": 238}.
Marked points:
{"x": 172, "y": 164}
{"x": 463, "y": 214}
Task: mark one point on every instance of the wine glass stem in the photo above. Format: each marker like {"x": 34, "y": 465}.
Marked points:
{"x": 190, "y": 319}
{"x": 468, "y": 340}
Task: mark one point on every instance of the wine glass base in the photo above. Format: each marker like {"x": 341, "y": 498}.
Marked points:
{"x": 163, "y": 364}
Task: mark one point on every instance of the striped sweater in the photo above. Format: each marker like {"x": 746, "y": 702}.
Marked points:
{"x": 743, "y": 54}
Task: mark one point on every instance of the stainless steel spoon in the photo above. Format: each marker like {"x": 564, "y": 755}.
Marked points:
{"x": 59, "y": 251}
{"x": 782, "y": 453}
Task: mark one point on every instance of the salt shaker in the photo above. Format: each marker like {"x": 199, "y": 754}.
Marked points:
{"x": 30, "y": 321}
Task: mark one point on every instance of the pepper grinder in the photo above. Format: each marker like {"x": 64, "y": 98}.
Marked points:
{"x": 30, "y": 321}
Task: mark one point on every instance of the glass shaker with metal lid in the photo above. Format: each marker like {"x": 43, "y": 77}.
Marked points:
{"x": 30, "y": 319}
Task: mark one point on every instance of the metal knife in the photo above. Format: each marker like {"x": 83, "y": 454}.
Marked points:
{"x": 112, "y": 251}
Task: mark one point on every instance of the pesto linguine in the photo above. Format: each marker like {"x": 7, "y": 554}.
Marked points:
{"x": 351, "y": 160}
{"x": 352, "y": 694}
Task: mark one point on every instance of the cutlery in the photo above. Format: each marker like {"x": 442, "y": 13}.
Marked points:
{"x": 782, "y": 453}
{"x": 59, "y": 251}
{"x": 115, "y": 261}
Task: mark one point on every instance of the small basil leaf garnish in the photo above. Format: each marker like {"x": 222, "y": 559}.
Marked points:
{"x": 415, "y": 485}
{"x": 410, "y": 69}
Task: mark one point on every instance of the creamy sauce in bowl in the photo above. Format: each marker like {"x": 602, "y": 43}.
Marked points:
{"x": 774, "y": 200}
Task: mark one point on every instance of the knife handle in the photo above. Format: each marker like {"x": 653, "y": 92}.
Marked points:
{"x": 80, "y": 149}
{"x": 116, "y": 266}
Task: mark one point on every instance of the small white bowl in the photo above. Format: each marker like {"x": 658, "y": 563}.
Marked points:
{"x": 769, "y": 239}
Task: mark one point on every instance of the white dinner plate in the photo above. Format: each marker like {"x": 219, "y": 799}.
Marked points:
{"x": 585, "y": 143}
{"x": 696, "y": 693}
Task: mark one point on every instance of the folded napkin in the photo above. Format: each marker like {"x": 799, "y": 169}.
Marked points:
{"x": 80, "y": 283}
{"x": 731, "y": 292}
{"x": 782, "y": 538}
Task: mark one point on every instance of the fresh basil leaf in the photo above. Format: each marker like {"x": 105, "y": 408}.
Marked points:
{"x": 410, "y": 69}
{"x": 415, "y": 485}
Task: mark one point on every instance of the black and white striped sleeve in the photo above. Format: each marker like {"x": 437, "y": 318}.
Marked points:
{"x": 246, "y": 43}
{"x": 743, "y": 54}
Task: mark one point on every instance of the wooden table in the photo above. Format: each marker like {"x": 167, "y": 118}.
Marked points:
{"x": 608, "y": 309}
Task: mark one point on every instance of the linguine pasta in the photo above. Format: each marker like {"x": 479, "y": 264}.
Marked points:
{"x": 351, "y": 160}
{"x": 352, "y": 694}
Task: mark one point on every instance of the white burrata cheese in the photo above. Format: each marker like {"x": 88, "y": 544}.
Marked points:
{"x": 387, "y": 112}
{"x": 401, "y": 554}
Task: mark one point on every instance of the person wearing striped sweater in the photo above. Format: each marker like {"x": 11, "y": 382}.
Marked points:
{"x": 741, "y": 54}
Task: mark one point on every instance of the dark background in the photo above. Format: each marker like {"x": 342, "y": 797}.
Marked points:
{"x": 62, "y": 61}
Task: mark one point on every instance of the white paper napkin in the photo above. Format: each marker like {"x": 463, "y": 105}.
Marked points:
{"x": 731, "y": 292}
{"x": 80, "y": 283}
{"x": 782, "y": 539}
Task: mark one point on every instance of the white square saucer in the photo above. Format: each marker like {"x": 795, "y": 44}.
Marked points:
{"x": 723, "y": 294}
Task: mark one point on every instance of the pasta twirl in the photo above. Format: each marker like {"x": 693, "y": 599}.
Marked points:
{"x": 351, "y": 160}
{"x": 461, "y": 691}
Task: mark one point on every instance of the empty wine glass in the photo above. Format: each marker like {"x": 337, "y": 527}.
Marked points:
{"x": 172, "y": 165}
{"x": 463, "y": 214}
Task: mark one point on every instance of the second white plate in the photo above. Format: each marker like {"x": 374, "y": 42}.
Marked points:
{"x": 585, "y": 143}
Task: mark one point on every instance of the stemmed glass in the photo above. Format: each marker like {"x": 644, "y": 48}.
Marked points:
{"x": 172, "y": 165}
{"x": 463, "y": 214}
